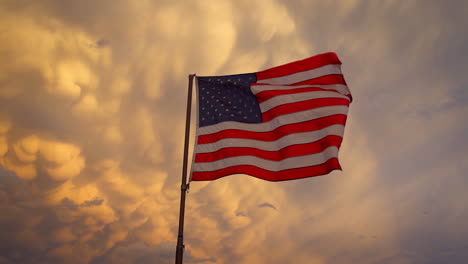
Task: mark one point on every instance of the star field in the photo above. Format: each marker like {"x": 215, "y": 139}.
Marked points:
{"x": 227, "y": 98}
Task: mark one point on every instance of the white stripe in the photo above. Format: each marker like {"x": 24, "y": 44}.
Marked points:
{"x": 289, "y": 163}
{"x": 341, "y": 88}
{"x": 281, "y": 120}
{"x": 297, "y": 97}
{"x": 305, "y": 75}
{"x": 291, "y": 139}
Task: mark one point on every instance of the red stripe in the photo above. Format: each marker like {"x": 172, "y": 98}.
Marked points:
{"x": 299, "y": 66}
{"x": 277, "y": 133}
{"x": 268, "y": 94}
{"x": 284, "y": 153}
{"x": 302, "y": 106}
{"x": 291, "y": 174}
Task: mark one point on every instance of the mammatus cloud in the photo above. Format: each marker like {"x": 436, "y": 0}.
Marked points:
{"x": 92, "y": 98}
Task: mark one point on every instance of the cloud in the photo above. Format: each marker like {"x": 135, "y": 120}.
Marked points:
{"x": 267, "y": 205}
{"x": 92, "y": 104}
{"x": 29, "y": 155}
{"x": 102, "y": 43}
{"x": 94, "y": 202}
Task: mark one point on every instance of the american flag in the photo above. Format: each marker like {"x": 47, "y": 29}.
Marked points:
{"x": 279, "y": 124}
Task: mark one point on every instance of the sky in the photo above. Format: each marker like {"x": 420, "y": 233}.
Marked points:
{"x": 92, "y": 119}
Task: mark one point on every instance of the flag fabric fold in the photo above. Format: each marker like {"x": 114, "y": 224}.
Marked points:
{"x": 282, "y": 123}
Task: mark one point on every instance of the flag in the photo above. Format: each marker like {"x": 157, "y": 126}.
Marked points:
{"x": 282, "y": 123}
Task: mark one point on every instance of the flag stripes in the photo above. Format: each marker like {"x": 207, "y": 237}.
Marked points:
{"x": 268, "y": 94}
{"x": 304, "y": 75}
{"x": 293, "y": 118}
{"x": 272, "y": 141}
{"x": 324, "y": 80}
{"x": 303, "y": 106}
{"x": 290, "y": 162}
{"x": 284, "y": 175}
{"x": 275, "y": 155}
{"x": 299, "y": 66}
{"x": 257, "y": 88}
{"x": 285, "y": 99}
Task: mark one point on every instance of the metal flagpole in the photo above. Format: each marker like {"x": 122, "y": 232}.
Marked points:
{"x": 184, "y": 186}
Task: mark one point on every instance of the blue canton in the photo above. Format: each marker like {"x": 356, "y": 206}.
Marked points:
{"x": 227, "y": 98}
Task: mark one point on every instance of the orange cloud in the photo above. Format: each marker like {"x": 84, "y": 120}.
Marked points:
{"x": 92, "y": 104}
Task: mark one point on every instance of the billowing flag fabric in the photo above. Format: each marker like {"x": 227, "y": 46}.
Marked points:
{"x": 279, "y": 124}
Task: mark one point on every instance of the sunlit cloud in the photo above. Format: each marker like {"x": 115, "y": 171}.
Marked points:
{"x": 92, "y": 105}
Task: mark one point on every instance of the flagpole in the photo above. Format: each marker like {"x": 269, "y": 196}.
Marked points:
{"x": 184, "y": 186}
